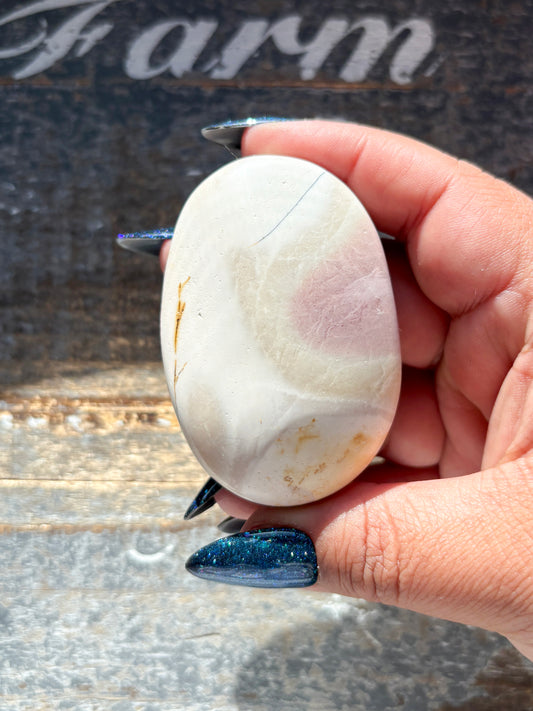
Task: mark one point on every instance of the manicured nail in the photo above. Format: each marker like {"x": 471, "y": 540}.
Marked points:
{"x": 264, "y": 558}
{"x": 203, "y": 500}
{"x": 145, "y": 242}
{"x": 229, "y": 133}
{"x": 231, "y": 525}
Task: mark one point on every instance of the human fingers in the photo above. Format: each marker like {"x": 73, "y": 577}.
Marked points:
{"x": 470, "y": 245}
{"x": 376, "y": 473}
{"x": 163, "y": 254}
{"x": 234, "y": 505}
{"x": 422, "y": 325}
{"x": 448, "y": 211}
{"x": 458, "y": 549}
{"x": 416, "y": 437}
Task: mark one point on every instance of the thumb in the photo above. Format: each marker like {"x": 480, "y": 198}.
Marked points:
{"x": 458, "y": 548}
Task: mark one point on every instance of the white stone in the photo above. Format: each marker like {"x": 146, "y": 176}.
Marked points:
{"x": 278, "y": 329}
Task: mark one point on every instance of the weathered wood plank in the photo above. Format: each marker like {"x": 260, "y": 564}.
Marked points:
{"x": 110, "y": 140}
{"x": 107, "y": 424}
{"x": 96, "y": 611}
{"x": 70, "y": 506}
{"x": 108, "y": 620}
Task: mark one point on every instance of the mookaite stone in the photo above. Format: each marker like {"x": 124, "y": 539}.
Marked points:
{"x": 278, "y": 329}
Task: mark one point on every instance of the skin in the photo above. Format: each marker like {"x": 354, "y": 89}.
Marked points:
{"x": 445, "y": 526}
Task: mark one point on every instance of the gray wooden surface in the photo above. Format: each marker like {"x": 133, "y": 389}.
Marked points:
{"x": 100, "y": 134}
{"x": 97, "y": 612}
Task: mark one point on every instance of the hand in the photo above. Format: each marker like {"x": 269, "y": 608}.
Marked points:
{"x": 445, "y": 526}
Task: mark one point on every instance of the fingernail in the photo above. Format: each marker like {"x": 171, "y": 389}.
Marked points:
{"x": 231, "y": 525}
{"x": 264, "y": 558}
{"x": 229, "y": 133}
{"x": 203, "y": 500}
{"x": 145, "y": 242}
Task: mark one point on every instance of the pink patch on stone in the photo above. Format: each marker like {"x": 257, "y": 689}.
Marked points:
{"x": 345, "y": 307}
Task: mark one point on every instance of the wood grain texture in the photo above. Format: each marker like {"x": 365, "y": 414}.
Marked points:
{"x": 87, "y": 151}
{"x": 108, "y": 620}
{"x": 97, "y": 424}
{"x": 96, "y": 610}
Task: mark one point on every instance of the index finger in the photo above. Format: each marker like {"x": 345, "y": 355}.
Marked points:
{"x": 452, "y": 215}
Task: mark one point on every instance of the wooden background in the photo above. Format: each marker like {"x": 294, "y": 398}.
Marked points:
{"x": 96, "y": 611}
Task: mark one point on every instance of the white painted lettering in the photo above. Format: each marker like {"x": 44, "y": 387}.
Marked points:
{"x": 59, "y": 43}
{"x": 375, "y": 37}
{"x": 413, "y": 40}
{"x": 244, "y": 44}
{"x": 195, "y": 37}
{"x": 413, "y": 51}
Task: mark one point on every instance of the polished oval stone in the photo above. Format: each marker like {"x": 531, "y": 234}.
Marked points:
{"x": 278, "y": 330}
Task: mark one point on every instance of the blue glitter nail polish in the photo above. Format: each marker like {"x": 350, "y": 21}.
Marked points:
{"x": 264, "y": 558}
{"x": 229, "y": 133}
{"x": 203, "y": 500}
{"x": 145, "y": 242}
